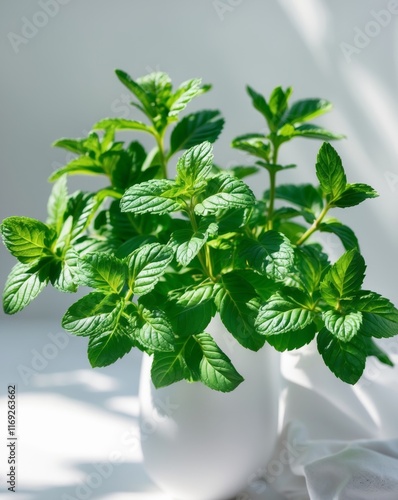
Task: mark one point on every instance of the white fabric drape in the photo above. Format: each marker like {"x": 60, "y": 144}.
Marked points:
{"x": 339, "y": 442}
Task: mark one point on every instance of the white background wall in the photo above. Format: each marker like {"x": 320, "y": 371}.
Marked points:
{"x": 58, "y": 79}
{"x": 61, "y": 81}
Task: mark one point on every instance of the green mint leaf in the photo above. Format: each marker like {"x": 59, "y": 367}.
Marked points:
{"x": 122, "y": 124}
{"x": 117, "y": 165}
{"x": 224, "y": 259}
{"x": 240, "y": 172}
{"x": 372, "y": 349}
{"x": 330, "y": 172}
{"x": 121, "y": 225}
{"x": 346, "y": 235}
{"x": 127, "y": 169}
{"x": 286, "y": 132}
{"x": 271, "y": 255}
{"x": 168, "y": 367}
{"x": 132, "y": 244}
{"x": 110, "y": 192}
{"x": 309, "y": 265}
{"x": 372, "y": 302}
{"x": 195, "y": 165}
{"x": 138, "y": 91}
{"x": 24, "y": 284}
{"x": 196, "y": 294}
{"x": 187, "y": 243}
{"x": 190, "y": 319}
{"x": 27, "y": 239}
{"x": 103, "y": 272}
{"x": 95, "y": 312}
{"x": 146, "y": 265}
{"x": 92, "y": 144}
{"x": 105, "y": 243}
{"x": 64, "y": 237}
{"x": 314, "y": 132}
{"x": 284, "y": 213}
{"x": 193, "y": 355}
{"x": 254, "y": 144}
{"x": 303, "y": 195}
{"x": 263, "y": 286}
{"x": 229, "y": 193}
{"x": 155, "y": 331}
{"x": 158, "y": 87}
{"x": 292, "y": 230}
{"x": 238, "y": 307}
{"x": 380, "y": 316}
{"x": 231, "y": 220}
{"x": 84, "y": 165}
{"x": 216, "y": 369}
{"x": 344, "y": 278}
{"x": 149, "y": 224}
{"x": 274, "y": 167}
{"x": 278, "y": 102}
{"x": 110, "y": 160}
{"x": 378, "y": 326}
{"x": 344, "y": 326}
{"x": 306, "y": 109}
{"x": 107, "y": 346}
{"x": 345, "y": 359}
{"x": 76, "y": 146}
{"x": 137, "y": 154}
{"x": 154, "y": 196}
{"x": 261, "y": 105}
{"x": 148, "y": 173}
{"x": 57, "y": 204}
{"x": 283, "y": 313}
{"x": 64, "y": 272}
{"x": 196, "y": 128}
{"x": 107, "y": 142}
{"x": 184, "y": 94}
{"x": 80, "y": 209}
{"x": 355, "y": 194}
{"x": 171, "y": 285}
{"x": 293, "y": 339}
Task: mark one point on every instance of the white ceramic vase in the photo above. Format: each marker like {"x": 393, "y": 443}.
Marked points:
{"x": 199, "y": 444}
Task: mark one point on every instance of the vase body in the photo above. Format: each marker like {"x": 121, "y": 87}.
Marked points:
{"x": 200, "y": 444}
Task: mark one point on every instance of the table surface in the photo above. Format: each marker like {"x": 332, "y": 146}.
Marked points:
{"x": 77, "y": 427}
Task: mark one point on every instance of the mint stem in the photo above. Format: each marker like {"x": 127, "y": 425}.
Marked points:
{"x": 204, "y": 253}
{"x": 314, "y": 226}
{"x": 162, "y": 156}
{"x": 272, "y": 180}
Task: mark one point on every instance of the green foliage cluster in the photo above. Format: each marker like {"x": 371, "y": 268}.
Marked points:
{"x": 163, "y": 256}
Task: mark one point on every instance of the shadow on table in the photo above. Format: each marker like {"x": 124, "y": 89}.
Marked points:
{"x": 103, "y": 480}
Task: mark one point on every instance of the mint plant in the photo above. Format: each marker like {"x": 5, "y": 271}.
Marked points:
{"x": 163, "y": 256}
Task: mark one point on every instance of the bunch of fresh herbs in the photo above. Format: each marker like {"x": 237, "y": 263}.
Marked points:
{"x": 163, "y": 256}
